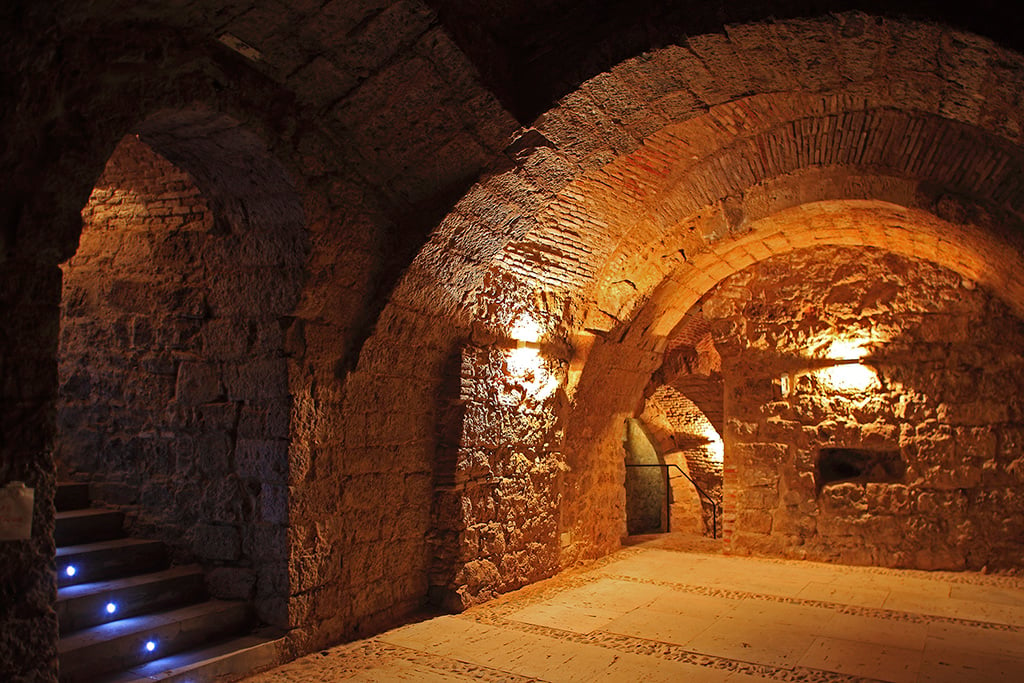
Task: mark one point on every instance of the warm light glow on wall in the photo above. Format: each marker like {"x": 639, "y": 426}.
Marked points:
{"x": 849, "y": 378}
{"x": 716, "y": 449}
{"x": 847, "y": 349}
{"x": 848, "y": 375}
{"x": 529, "y": 369}
{"x": 526, "y": 364}
{"x": 526, "y": 329}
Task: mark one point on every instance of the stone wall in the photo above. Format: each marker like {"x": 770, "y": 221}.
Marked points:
{"x": 609, "y": 390}
{"x": 499, "y": 489}
{"x": 385, "y": 122}
{"x": 938, "y": 387}
{"x": 28, "y": 372}
{"x": 362, "y": 480}
{"x": 173, "y": 377}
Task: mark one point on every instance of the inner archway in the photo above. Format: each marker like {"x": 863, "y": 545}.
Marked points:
{"x": 174, "y": 373}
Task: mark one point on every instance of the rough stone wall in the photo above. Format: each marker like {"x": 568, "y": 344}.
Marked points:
{"x": 944, "y": 396}
{"x": 609, "y": 391}
{"x": 387, "y": 113}
{"x": 174, "y": 382}
{"x": 28, "y": 372}
{"x": 499, "y": 494}
{"x": 363, "y": 479}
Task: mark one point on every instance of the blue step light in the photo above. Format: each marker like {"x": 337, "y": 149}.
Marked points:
{"x": 111, "y": 607}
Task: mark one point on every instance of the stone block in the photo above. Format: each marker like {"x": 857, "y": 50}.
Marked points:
{"x": 265, "y": 460}
{"x": 256, "y": 380}
{"x": 274, "y": 504}
{"x": 754, "y": 521}
{"x": 231, "y": 583}
{"x": 217, "y": 542}
{"x": 198, "y": 383}
{"x": 888, "y": 499}
{"x": 760, "y": 453}
{"x": 845, "y": 499}
{"x": 758, "y": 497}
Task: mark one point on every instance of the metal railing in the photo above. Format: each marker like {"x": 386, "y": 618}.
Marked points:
{"x": 668, "y": 494}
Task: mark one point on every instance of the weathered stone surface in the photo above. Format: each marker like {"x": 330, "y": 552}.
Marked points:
{"x": 792, "y": 311}
{"x": 156, "y": 379}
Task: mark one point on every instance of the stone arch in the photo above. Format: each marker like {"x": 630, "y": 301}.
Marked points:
{"x": 60, "y": 140}
{"x": 594, "y": 177}
{"x": 175, "y": 374}
{"x": 653, "y": 180}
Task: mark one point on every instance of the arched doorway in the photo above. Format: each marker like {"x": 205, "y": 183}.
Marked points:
{"x": 174, "y": 374}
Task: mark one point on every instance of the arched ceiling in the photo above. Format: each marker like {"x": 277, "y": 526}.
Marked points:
{"x": 661, "y": 177}
{"x": 511, "y": 42}
{"x": 973, "y": 252}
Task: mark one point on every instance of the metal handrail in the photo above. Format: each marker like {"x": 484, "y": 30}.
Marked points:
{"x": 700, "y": 491}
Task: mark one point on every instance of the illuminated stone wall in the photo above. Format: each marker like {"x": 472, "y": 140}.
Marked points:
{"x": 500, "y": 478}
{"x": 174, "y": 384}
{"x": 645, "y": 182}
{"x": 939, "y": 387}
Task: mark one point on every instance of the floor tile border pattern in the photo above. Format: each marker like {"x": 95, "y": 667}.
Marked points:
{"x": 539, "y": 592}
{"x": 841, "y": 608}
{"x": 670, "y": 652}
{"x": 497, "y": 613}
{"x": 1009, "y": 578}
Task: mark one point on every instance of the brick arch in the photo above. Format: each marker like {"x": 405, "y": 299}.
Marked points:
{"x": 621, "y": 162}
{"x": 676, "y": 198}
{"x": 656, "y": 180}
{"x": 970, "y": 250}
{"x": 598, "y": 187}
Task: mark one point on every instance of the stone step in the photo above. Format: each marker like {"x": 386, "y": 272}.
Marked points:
{"x": 89, "y": 604}
{"x": 108, "y": 559}
{"x": 75, "y": 527}
{"x": 226, "y": 661}
{"x": 71, "y": 496}
{"x": 121, "y": 645}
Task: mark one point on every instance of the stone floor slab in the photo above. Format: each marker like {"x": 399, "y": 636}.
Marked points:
{"x": 871, "y": 660}
{"x": 657, "y": 614}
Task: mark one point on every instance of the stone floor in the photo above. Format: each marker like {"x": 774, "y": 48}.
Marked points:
{"x": 653, "y": 612}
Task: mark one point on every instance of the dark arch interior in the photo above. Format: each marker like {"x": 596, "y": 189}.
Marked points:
{"x": 174, "y": 402}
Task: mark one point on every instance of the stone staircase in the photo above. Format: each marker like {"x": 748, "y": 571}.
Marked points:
{"x": 126, "y": 615}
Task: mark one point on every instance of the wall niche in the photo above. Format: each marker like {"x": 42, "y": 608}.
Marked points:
{"x": 859, "y": 465}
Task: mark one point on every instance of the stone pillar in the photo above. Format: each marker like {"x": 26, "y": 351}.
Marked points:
{"x": 730, "y": 483}
{"x": 499, "y": 479}
{"x": 29, "y": 309}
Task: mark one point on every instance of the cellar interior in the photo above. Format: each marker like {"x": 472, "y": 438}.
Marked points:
{"x": 363, "y": 307}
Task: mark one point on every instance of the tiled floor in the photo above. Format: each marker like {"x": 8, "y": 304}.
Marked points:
{"x": 655, "y": 614}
